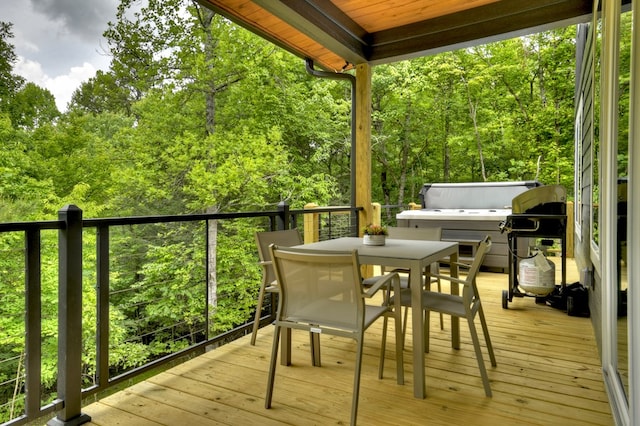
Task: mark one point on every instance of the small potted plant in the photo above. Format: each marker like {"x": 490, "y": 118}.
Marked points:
{"x": 374, "y": 235}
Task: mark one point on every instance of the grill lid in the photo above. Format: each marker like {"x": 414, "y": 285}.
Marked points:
{"x": 543, "y": 199}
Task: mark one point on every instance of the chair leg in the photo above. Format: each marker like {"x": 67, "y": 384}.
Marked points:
{"x": 272, "y": 367}
{"x": 314, "y": 339}
{"x": 356, "y": 379}
{"x": 383, "y": 347}
{"x": 427, "y": 280}
{"x": 487, "y": 339}
{"x": 427, "y": 324}
{"x": 479, "y": 357}
{"x": 441, "y": 314}
{"x": 256, "y": 320}
{"x": 404, "y": 325}
{"x": 399, "y": 347}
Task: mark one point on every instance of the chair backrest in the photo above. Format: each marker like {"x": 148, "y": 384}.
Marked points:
{"x": 422, "y": 234}
{"x": 322, "y": 289}
{"x": 406, "y": 233}
{"x": 470, "y": 292}
{"x": 285, "y": 238}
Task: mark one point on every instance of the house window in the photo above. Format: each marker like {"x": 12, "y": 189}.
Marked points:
{"x": 595, "y": 144}
{"x": 578, "y": 168}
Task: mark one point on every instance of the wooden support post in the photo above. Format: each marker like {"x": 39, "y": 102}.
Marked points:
{"x": 363, "y": 142}
{"x": 376, "y": 214}
{"x": 311, "y": 225}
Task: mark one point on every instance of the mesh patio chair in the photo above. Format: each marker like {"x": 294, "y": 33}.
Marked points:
{"x": 467, "y": 305}
{"x": 322, "y": 292}
{"x": 285, "y": 238}
{"x": 402, "y": 233}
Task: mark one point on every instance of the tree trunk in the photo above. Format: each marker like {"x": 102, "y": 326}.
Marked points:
{"x": 212, "y": 278}
{"x": 474, "y": 117}
{"x": 404, "y": 155}
{"x": 209, "y": 54}
{"x": 446, "y": 156}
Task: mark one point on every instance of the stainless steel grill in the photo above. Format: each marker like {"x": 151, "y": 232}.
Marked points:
{"x": 549, "y": 199}
{"x": 537, "y": 213}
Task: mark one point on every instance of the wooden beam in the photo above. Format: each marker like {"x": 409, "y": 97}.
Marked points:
{"x": 363, "y": 142}
{"x": 324, "y": 23}
{"x": 469, "y": 26}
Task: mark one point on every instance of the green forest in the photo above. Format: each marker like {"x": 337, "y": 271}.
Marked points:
{"x": 197, "y": 115}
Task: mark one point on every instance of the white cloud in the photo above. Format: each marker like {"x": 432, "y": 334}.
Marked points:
{"x": 59, "y": 43}
{"x": 30, "y": 70}
{"x": 61, "y": 86}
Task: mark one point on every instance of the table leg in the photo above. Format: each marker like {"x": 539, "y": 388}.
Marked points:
{"x": 285, "y": 346}
{"x": 455, "y": 321}
{"x": 315, "y": 349}
{"x": 419, "y": 387}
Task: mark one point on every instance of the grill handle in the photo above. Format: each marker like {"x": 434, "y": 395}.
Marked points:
{"x": 507, "y": 226}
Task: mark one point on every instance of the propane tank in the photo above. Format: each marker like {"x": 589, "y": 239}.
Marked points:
{"x": 537, "y": 274}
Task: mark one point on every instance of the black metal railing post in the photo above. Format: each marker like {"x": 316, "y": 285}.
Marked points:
{"x": 102, "y": 341}
{"x": 70, "y": 319}
{"x": 282, "y": 221}
{"x": 33, "y": 365}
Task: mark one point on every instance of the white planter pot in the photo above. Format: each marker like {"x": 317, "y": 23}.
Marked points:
{"x": 374, "y": 240}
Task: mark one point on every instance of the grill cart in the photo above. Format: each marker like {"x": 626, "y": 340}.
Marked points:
{"x": 539, "y": 213}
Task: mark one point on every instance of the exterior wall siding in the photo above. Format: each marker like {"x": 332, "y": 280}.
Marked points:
{"x": 584, "y": 91}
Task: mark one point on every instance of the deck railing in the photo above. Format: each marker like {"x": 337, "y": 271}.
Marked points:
{"x": 91, "y": 255}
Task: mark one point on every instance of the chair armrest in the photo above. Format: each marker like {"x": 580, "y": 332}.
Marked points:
{"x": 265, "y": 264}
{"x": 449, "y": 278}
{"x": 459, "y": 264}
{"x": 391, "y": 278}
{"x": 399, "y": 270}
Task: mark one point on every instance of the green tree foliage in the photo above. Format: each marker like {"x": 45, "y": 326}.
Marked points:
{"x": 23, "y": 193}
{"x": 623, "y": 93}
{"x": 100, "y": 94}
{"x": 32, "y": 107}
{"x": 496, "y": 112}
{"x": 9, "y": 82}
{"x": 27, "y": 105}
{"x": 76, "y": 156}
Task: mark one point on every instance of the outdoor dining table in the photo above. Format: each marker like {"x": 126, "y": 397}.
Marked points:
{"x": 414, "y": 255}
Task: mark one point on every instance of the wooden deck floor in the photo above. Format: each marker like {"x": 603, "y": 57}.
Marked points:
{"x": 548, "y": 373}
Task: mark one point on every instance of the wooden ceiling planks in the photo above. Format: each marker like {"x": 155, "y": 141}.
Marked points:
{"x": 398, "y": 13}
{"x": 256, "y": 19}
{"x": 336, "y": 32}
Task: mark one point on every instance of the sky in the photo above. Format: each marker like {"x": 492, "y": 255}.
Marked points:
{"x": 59, "y": 43}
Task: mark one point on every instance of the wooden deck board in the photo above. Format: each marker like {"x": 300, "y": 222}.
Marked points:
{"x": 548, "y": 373}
